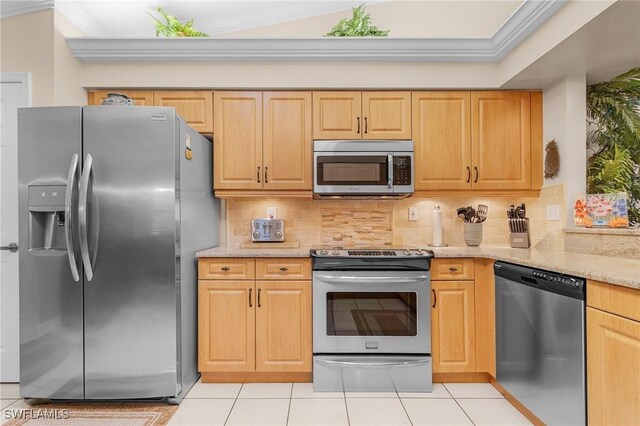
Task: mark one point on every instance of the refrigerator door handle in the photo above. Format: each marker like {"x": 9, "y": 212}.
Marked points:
{"x": 82, "y": 217}
{"x": 68, "y": 224}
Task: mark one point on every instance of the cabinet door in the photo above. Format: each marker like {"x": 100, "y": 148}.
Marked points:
{"x": 613, "y": 369}
{"x": 287, "y": 147}
{"x": 226, "y": 326}
{"x": 453, "y": 335}
{"x": 386, "y": 115}
{"x": 140, "y": 97}
{"x": 337, "y": 115}
{"x": 501, "y": 140}
{"x": 237, "y": 140}
{"x": 442, "y": 140}
{"x": 283, "y": 326}
{"x": 195, "y": 106}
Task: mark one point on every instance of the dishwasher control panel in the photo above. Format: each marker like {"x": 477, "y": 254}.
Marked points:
{"x": 557, "y": 278}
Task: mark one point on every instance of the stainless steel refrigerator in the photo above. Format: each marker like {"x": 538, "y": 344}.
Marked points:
{"x": 114, "y": 202}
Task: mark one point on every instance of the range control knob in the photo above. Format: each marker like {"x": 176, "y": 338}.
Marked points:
{"x": 335, "y": 252}
{"x": 323, "y": 252}
{"x": 278, "y": 234}
{"x": 407, "y": 252}
{"x": 420, "y": 252}
{"x": 256, "y": 235}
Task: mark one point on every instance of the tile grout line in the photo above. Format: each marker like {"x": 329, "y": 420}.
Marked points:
{"x": 234, "y": 404}
{"x": 289, "y": 408}
{"x": 404, "y": 408}
{"x": 458, "y": 404}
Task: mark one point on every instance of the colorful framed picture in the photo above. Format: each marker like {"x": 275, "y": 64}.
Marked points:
{"x": 602, "y": 210}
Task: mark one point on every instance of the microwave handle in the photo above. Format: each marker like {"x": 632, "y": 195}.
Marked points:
{"x": 390, "y": 170}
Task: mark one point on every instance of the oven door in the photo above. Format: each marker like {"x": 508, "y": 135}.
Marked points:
{"x": 353, "y": 173}
{"x": 373, "y": 312}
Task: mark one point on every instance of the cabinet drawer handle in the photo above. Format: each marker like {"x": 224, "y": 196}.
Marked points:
{"x": 365, "y": 125}
{"x": 259, "y": 304}
{"x": 266, "y": 176}
{"x": 476, "y": 180}
{"x": 435, "y": 298}
{"x": 358, "y": 119}
{"x": 250, "y": 304}
{"x": 468, "y": 174}
{"x": 283, "y": 269}
{"x": 258, "y": 174}
{"x": 225, "y": 268}
{"x": 452, "y": 269}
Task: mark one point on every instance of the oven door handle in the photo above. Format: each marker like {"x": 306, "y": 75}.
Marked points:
{"x": 346, "y": 278}
{"x": 357, "y": 364}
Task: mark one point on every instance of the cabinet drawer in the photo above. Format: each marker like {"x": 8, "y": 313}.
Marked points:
{"x": 283, "y": 269}
{"x": 452, "y": 269}
{"x": 623, "y": 301}
{"x": 226, "y": 269}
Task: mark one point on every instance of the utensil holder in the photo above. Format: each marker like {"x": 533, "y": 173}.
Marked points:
{"x": 473, "y": 234}
{"x": 520, "y": 238}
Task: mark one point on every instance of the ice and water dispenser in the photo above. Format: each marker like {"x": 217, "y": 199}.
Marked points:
{"x": 46, "y": 217}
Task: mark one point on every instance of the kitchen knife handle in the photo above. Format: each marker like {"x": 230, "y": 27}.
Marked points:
{"x": 468, "y": 174}
{"x": 358, "y": 119}
{"x": 259, "y": 304}
{"x": 476, "y": 170}
{"x": 435, "y": 298}
{"x": 258, "y": 174}
{"x": 266, "y": 176}
{"x": 250, "y": 304}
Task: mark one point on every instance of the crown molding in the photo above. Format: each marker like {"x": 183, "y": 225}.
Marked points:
{"x": 15, "y": 8}
{"x": 520, "y": 24}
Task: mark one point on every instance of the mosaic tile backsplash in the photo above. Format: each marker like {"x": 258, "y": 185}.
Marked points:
{"x": 385, "y": 223}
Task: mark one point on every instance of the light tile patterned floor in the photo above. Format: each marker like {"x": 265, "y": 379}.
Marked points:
{"x": 297, "y": 404}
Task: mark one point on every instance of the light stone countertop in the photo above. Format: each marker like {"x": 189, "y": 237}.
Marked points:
{"x": 613, "y": 270}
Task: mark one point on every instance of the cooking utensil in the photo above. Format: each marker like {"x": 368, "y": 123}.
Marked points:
{"x": 481, "y": 213}
{"x": 470, "y": 215}
{"x": 462, "y": 213}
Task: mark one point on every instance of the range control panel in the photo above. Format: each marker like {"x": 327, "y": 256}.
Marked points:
{"x": 402, "y": 170}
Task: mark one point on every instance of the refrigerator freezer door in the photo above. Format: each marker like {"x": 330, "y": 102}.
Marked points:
{"x": 131, "y": 301}
{"x": 51, "y": 361}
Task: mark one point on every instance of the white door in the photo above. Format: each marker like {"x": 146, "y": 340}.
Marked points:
{"x": 13, "y": 95}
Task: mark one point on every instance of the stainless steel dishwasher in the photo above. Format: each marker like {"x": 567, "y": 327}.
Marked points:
{"x": 540, "y": 342}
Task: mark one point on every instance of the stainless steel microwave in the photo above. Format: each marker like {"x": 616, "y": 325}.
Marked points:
{"x": 363, "y": 168}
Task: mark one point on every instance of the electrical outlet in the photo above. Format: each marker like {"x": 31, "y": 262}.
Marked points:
{"x": 272, "y": 212}
{"x": 553, "y": 212}
{"x": 413, "y": 214}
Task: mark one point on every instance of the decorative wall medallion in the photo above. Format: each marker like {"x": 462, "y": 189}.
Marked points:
{"x": 551, "y": 160}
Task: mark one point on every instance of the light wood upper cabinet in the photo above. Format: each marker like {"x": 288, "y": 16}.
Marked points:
{"x": 287, "y": 146}
{"x": 140, "y": 97}
{"x": 195, "y": 106}
{"x": 613, "y": 369}
{"x": 226, "y": 326}
{"x": 386, "y": 115}
{"x": 442, "y": 140}
{"x": 453, "y": 340}
{"x": 237, "y": 144}
{"x": 283, "y": 326}
{"x": 501, "y": 140}
{"x": 337, "y": 115}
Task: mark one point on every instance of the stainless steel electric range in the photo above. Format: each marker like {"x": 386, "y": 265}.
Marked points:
{"x": 371, "y": 320}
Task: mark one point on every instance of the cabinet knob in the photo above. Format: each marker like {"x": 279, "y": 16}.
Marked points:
{"x": 225, "y": 268}
{"x": 452, "y": 269}
{"x": 283, "y": 269}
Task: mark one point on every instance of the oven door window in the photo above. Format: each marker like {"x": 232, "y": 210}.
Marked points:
{"x": 372, "y": 314}
{"x": 352, "y": 170}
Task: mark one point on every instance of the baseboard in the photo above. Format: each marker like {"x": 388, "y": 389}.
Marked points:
{"x": 257, "y": 377}
{"x": 519, "y": 406}
{"x": 476, "y": 377}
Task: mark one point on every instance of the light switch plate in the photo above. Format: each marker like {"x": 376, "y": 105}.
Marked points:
{"x": 271, "y": 212}
{"x": 413, "y": 214}
{"x": 553, "y": 212}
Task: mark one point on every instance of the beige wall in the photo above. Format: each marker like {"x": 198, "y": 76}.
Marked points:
{"x": 27, "y": 46}
{"x": 67, "y": 69}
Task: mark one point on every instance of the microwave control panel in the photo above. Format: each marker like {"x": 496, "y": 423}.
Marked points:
{"x": 402, "y": 170}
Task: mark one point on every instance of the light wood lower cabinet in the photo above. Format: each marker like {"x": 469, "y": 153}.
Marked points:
{"x": 226, "y": 326}
{"x": 453, "y": 337}
{"x": 283, "y": 326}
{"x": 254, "y": 326}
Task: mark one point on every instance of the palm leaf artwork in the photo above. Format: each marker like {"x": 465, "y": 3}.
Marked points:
{"x": 172, "y": 27}
{"x": 359, "y": 25}
{"x": 613, "y": 111}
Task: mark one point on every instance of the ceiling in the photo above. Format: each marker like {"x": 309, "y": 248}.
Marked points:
{"x": 280, "y": 18}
